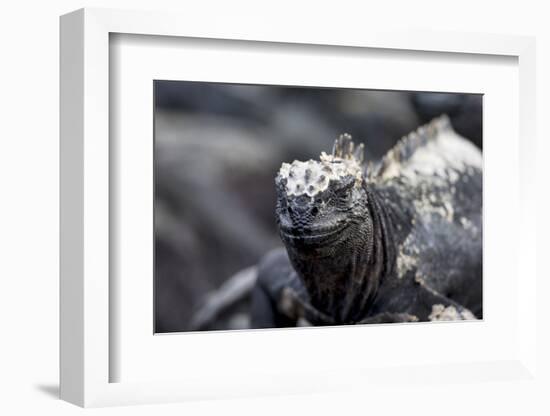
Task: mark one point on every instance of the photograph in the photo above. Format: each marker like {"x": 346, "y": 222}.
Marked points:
{"x": 288, "y": 206}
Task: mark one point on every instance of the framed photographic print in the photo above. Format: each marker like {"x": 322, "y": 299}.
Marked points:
{"x": 268, "y": 212}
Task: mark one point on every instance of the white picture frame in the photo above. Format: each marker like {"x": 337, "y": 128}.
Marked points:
{"x": 87, "y": 300}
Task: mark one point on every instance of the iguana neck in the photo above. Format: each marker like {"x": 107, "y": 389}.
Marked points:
{"x": 345, "y": 284}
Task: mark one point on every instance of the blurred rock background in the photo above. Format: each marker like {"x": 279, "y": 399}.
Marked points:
{"x": 217, "y": 150}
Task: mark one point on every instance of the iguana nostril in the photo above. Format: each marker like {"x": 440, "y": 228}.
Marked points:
{"x": 314, "y": 211}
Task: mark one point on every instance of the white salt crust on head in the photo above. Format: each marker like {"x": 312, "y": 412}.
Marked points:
{"x": 312, "y": 177}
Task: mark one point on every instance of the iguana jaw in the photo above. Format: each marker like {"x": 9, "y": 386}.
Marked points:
{"x": 313, "y": 238}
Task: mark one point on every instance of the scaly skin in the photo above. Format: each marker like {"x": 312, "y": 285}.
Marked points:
{"x": 400, "y": 241}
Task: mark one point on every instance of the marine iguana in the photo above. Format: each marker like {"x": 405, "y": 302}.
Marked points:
{"x": 397, "y": 241}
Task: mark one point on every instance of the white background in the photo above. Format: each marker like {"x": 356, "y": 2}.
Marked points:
{"x": 29, "y": 206}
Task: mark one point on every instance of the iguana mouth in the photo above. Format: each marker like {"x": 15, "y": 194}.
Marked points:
{"x": 313, "y": 237}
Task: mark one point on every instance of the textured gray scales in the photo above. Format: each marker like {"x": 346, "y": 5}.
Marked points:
{"x": 397, "y": 241}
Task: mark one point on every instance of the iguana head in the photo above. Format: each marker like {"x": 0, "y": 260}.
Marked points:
{"x": 330, "y": 223}
{"x": 321, "y": 202}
